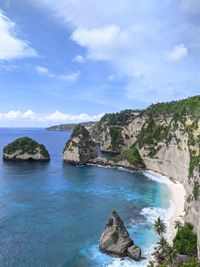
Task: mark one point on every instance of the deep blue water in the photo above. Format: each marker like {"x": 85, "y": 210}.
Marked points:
{"x": 52, "y": 214}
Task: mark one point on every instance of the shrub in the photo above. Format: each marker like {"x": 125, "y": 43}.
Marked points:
{"x": 133, "y": 156}
{"x": 185, "y": 241}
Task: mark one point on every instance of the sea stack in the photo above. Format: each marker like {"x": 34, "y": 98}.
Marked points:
{"x": 115, "y": 240}
{"x": 80, "y": 148}
{"x": 25, "y": 148}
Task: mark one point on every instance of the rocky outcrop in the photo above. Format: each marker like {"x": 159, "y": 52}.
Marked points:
{"x": 115, "y": 240}
{"x": 134, "y": 253}
{"x": 80, "y": 148}
{"x": 109, "y": 162}
{"x": 25, "y": 148}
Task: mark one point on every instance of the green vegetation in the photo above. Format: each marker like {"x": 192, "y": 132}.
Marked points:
{"x": 25, "y": 145}
{"x": 185, "y": 241}
{"x": 194, "y": 162}
{"x": 196, "y": 190}
{"x": 176, "y": 109}
{"x": 133, "y": 156}
{"x": 116, "y": 137}
{"x": 79, "y": 130}
{"x": 191, "y": 263}
{"x": 121, "y": 118}
{"x": 151, "y": 134}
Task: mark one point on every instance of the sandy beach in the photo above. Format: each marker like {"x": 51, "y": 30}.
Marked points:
{"x": 177, "y": 198}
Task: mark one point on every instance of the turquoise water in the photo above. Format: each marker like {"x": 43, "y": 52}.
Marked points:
{"x": 52, "y": 214}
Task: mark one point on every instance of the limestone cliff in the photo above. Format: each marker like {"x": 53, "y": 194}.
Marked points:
{"x": 25, "y": 148}
{"x": 80, "y": 148}
{"x": 167, "y": 137}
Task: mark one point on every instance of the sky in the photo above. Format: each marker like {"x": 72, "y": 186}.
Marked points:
{"x": 75, "y": 60}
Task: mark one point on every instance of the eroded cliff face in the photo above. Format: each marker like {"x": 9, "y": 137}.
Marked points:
{"x": 170, "y": 147}
{"x": 80, "y": 148}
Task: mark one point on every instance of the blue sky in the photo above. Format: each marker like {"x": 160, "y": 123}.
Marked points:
{"x": 74, "y": 60}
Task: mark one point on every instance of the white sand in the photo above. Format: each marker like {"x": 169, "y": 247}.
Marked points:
{"x": 177, "y": 198}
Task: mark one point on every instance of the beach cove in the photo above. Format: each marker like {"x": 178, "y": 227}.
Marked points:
{"x": 48, "y": 201}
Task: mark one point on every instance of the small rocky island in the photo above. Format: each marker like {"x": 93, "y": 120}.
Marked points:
{"x": 80, "y": 148}
{"x": 116, "y": 242}
{"x": 25, "y": 148}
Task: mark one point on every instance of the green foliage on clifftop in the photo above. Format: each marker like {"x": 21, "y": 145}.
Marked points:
{"x": 25, "y": 145}
{"x": 80, "y": 130}
{"x": 120, "y": 118}
{"x": 177, "y": 109}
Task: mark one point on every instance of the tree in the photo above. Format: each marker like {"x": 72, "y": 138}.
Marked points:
{"x": 160, "y": 226}
{"x": 177, "y": 224}
{"x": 170, "y": 255}
{"x": 162, "y": 243}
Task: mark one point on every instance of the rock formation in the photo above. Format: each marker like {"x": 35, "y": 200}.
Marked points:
{"x": 25, "y": 148}
{"x": 80, "y": 148}
{"x": 115, "y": 240}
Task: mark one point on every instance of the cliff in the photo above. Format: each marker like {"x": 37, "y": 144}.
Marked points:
{"x": 167, "y": 137}
{"x": 25, "y": 148}
{"x": 80, "y": 148}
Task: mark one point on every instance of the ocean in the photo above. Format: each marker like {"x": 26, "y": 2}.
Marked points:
{"x": 52, "y": 214}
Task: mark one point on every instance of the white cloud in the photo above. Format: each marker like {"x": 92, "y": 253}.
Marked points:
{"x": 178, "y": 53}
{"x": 31, "y": 118}
{"x": 102, "y": 43}
{"x": 11, "y": 46}
{"x": 16, "y": 114}
{"x": 112, "y": 77}
{"x": 41, "y": 70}
{"x": 62, "y": 117}
{"x": 79, "y": 59}
{"x": 192, "y": 6}
{"x": 72, "y": 77}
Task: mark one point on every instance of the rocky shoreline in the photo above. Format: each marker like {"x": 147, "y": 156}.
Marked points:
{"x": 110, "y": 163}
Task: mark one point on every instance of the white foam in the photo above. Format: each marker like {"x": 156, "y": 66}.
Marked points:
{"x": 157, "y": 177}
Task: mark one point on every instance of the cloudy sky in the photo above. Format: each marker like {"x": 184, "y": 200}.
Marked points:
{"x": 73, "y": 60}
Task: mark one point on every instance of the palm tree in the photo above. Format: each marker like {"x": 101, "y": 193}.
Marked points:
{"x": 170, "y": 255}
{"x": 159, "y": 226}
{"x": 162, "y": 244}
{"x": 177, "y": 224}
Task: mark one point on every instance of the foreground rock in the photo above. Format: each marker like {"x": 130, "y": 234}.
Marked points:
{"x": 80, "y": 148}
{"x": 24, "y": 149}
{"x": 134, "y": 252}
{"x": 115, "y": 240}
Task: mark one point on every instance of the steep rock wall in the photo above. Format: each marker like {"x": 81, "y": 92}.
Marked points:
{"x": 169, "y": 154}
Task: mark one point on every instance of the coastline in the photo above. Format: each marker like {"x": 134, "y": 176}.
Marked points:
{"x": 176, "y": 193}
{"x": 177, "y": 199}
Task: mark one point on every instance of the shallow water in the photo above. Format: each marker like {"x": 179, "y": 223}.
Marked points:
{"x": 52, "y": 214}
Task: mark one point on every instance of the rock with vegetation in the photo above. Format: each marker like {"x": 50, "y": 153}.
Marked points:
{"x": 80, "y": 148}
{"x": 115, "y": 240}
{"x": 25, "y": 148}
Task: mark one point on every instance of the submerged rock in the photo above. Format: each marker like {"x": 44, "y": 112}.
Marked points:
{"x": 80, "y": 148}
{"x": 24, "y": 149}
{"x": 115, "y": 240}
